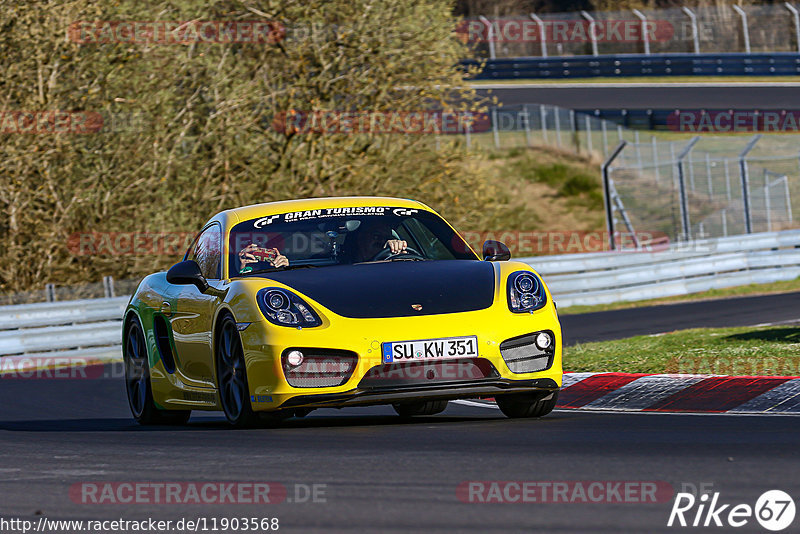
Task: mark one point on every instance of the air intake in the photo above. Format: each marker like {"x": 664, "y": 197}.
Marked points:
{"x": 522, "y": 355}
{"x": 318, "y": 368}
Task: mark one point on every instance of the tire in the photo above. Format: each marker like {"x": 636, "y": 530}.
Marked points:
{"x": 234, "y": 390}
{"x": 410, "y": 409}
{"x": 137, "y": 382}
{"x": 526, "y": 405}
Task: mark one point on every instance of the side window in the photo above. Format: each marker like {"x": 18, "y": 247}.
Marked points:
{"x": 207, "y": 252}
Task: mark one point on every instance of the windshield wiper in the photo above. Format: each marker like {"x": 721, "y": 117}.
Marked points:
{"x": 399, "y": 258}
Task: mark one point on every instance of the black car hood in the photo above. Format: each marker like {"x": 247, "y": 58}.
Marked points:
{"x": 388, "y": 289}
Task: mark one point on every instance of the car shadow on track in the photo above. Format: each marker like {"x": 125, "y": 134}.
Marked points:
{"x": 206, "y": 423}
{"x": 775, "y": 335}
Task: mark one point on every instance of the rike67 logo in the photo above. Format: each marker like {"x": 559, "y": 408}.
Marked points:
{"x": 774, "y": 510}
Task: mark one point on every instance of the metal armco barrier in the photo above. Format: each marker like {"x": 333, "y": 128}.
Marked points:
{"x": 74, "y": 327}
{"x": 61, "y": 313}
{"x": 605, "y": 277}
{"x": 623, "y": 65}
{"x": 61, "y": 337}
{"x": 93, "y": 327}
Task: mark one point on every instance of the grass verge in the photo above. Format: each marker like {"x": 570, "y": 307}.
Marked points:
{"x": 728, "y": 292}
{"x": 743, "y": 351}
{"x": 549, "y": 190}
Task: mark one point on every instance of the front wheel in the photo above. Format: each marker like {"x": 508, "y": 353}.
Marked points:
{"x": 409, "y": 409}
{"x": 138, "y": 386}
{"x": 234, "y": 391}
{"x": 526, "y": 405}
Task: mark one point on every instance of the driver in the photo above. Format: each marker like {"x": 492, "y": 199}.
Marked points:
{"x": 247, "y": 258}
{"x": 373, "y": 237}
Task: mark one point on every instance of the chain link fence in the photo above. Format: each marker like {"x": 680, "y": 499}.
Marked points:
{"x": 542, "y": 125}
{"x": 706, "y": 187}
{"x": 675, "y": 185}
{"x": 701, "y": 30}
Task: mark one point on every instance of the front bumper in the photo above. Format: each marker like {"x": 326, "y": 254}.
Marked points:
{"x": 264, "y": 343}
{"x": 460, "y": 390}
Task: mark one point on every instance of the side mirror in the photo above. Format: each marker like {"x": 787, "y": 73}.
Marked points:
{"x": 185, "y": 273}
{"x": 495, "y": 251}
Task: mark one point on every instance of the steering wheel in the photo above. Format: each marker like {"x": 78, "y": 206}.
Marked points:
{"x": 386, "y": 254}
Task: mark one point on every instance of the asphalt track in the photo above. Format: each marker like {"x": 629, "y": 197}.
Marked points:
{"x": 644, "y": 96}
{"x": 381, "y": 475}
{"x": 385, "y": 475}
{"x": 718, "y": 313}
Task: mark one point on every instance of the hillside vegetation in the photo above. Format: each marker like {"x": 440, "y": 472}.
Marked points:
{"x": 190, "y": 129}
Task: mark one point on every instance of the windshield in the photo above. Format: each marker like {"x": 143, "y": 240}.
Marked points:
{"x": 341, "y": 236}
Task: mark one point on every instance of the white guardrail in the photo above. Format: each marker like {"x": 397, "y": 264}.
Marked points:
{"x": 605, "y": 277}
{"x": 85, "y": 328}
{"x": 93, "y": 328}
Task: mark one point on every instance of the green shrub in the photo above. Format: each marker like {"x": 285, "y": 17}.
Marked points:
{"x": 204, "y": 139}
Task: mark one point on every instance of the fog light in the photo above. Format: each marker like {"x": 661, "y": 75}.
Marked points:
{"x": 543, "y": 340}
{"x": 294, "y": 358}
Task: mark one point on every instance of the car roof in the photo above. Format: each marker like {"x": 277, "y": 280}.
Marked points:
{"x": 285, "y": 206}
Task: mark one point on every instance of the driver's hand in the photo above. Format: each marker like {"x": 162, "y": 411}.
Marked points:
{"x": 245, "y": 256}
{"x": 281, "y": 261}
{"x": 396, "y": 246}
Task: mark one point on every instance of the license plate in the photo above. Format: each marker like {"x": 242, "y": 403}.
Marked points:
{"x": 430, "y": 349}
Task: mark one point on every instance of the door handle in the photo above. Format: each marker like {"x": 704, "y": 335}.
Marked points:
{"x": 166, "y": 309}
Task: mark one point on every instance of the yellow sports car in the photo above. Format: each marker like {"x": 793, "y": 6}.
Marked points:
{"x": 281, "y": 308}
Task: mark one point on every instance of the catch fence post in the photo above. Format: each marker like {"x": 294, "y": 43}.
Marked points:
{"x": 607, "y": 193}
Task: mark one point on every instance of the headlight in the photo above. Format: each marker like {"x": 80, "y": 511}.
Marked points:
{"x": 284, "y": 308}
{"x": 525, "y": 292}
{"x": 277, "y": 300}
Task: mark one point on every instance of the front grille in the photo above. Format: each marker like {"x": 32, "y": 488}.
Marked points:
{"x": 523, "y": 356}
{"x": 427, "y": 373}
{"x": 320, "y": 368}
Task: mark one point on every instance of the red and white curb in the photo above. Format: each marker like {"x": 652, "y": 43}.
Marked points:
{"x": 632, "y": 392}
{"x": 680, "y": 393}
{"x": 676, "y": 393}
